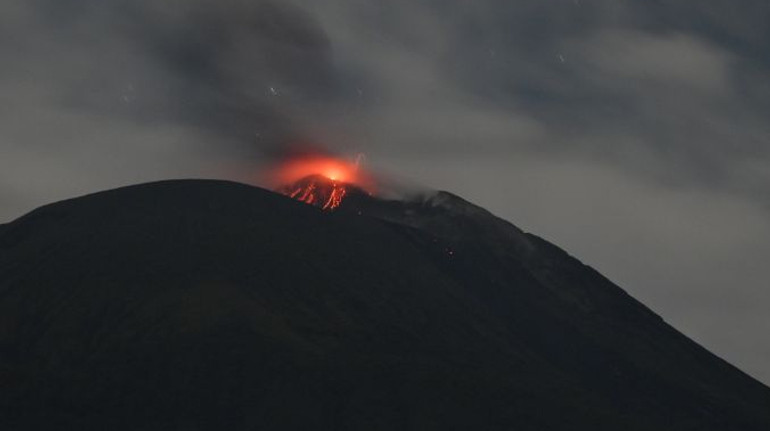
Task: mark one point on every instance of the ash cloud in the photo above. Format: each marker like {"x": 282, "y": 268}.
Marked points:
{"x": 631, "y": 132}
{"x": 101, "y": 93}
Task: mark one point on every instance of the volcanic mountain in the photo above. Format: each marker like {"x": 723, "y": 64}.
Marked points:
{"x": 215, "y": 305}
{"x": 320, "y": 191}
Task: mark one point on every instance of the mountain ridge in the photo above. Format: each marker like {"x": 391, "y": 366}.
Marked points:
{"x": 200, "y": 303}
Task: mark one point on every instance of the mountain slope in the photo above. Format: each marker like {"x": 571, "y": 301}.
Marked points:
{"x": 215, "y": 305}
{"x": 584, "y": 324}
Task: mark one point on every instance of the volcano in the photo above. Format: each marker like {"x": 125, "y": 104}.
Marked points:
{"x": 321, "y": 191}
{"x": 215, "y": 305}
{"x": 320, "y": 180}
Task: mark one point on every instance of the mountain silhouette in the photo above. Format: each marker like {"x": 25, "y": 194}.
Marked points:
{"x": 203, "y": 305}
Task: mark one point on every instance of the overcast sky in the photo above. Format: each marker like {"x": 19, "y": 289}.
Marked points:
{"x": 632, "y": 133}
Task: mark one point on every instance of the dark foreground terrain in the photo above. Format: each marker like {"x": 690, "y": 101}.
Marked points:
{"x": 206, "y": 305}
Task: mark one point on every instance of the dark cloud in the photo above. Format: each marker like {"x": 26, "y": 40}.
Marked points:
{"x": 591, "y": 76}
{"x": 232, "y": 57}
{"x": 631, "y": 132}
{"x": 203, "y": 64}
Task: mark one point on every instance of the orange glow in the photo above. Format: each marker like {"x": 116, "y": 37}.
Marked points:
{"x": 335, "y": 198}
{"x": 320, "y": 180}
{"x": 335, "y": 169}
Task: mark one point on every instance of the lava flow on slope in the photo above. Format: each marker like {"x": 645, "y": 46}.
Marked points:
{"x": 320, "y": 180}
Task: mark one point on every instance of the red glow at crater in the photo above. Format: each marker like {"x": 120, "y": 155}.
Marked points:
{"x": 335, "y": 169}
{"x": 320, "y": 180}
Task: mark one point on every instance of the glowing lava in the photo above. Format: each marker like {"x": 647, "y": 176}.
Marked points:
{"x": 317, "y": 190}
{"x": 320, "y": 180}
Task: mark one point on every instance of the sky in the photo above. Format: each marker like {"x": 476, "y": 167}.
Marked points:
{"x": 632, "y": 133}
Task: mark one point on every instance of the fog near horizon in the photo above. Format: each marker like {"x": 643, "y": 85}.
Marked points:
{"x": 631, "y": 133}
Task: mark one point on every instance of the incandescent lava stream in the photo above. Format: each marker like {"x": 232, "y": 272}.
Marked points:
{"x": 322, "y": 181}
